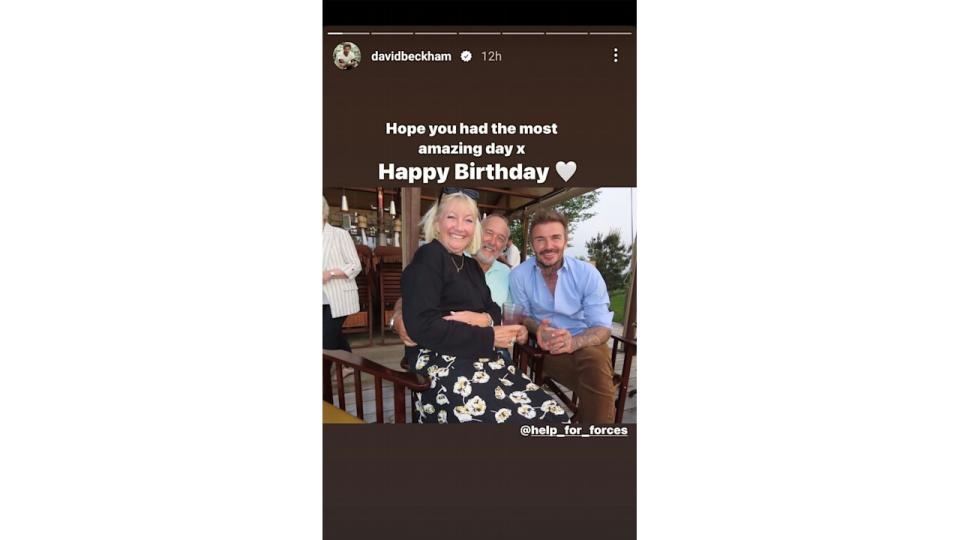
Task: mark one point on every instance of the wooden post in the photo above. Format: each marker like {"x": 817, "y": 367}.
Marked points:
{"x": 381, "y": 236}
{"x": 630, "y": 316}
{"x": 410, "y": 216}
{"x": 523, "y": 236}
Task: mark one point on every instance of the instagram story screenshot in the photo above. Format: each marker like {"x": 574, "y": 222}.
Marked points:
{"x": 479, "y": 328}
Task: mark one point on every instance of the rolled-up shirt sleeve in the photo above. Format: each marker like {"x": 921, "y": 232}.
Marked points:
{"x": 596, "y": 302}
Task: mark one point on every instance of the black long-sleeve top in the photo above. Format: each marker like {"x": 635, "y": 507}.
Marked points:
{"x": 432, "y": 288}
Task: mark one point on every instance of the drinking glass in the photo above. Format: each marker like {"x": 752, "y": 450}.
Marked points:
{"x": 512, "y": 314}
{"x": 549, "y": 332}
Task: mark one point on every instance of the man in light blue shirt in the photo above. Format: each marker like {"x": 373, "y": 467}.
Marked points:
{"x": 567, "y": 306}
{"x": 494, "y": 233}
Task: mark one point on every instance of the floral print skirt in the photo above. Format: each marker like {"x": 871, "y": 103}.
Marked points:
{"x": 480, "y": 390}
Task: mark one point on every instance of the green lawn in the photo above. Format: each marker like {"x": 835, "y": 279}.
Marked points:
{"x": 617, "y": 300}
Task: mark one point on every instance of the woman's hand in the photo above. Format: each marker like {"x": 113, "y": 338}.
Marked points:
{"x": 505, "y": 336}
{"x": 472, "y": 318}
{"x": 333, "y": 273}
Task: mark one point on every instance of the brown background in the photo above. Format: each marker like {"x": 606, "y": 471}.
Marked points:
{"x": 480, "y": 481}
{"x": 476, "y": 481}
{"x": 570, "y": 80}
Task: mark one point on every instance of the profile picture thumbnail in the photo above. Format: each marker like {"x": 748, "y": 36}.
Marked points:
{"x": 346, "y": 55}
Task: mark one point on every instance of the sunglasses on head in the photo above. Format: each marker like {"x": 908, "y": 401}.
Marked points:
{"x": 473, "y": 194}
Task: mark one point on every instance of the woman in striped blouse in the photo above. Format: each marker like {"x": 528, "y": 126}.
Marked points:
{"x": 340, "y": 298}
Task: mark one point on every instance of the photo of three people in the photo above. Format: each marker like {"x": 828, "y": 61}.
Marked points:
{"x": 487, "y": 333}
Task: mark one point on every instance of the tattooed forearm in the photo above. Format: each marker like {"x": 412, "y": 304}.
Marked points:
{"x": 597, "y": 335}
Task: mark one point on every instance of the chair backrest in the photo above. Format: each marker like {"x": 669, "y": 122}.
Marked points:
{"x": 530, "y": 354}
{"x": 389, "y": 272}
{"x": 366, "y": 259}
{"x": 629, "y": 351}
{"x": 365, "y": 279}
{"x": 335, "y": 361}
{"x": 389, "y": 254}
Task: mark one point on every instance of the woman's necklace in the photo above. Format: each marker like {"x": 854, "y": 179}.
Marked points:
{"x": 460, "y": 267}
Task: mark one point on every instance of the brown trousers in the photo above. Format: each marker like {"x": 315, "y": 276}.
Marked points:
{"x": 588, "y": 373}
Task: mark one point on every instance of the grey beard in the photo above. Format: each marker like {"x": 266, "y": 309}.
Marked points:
{"x": 482, "y": 258}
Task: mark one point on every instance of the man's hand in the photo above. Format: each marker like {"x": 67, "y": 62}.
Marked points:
{"x": 398, "y": 326}
{"x": 553, "y": 340}
{"x": 542, "y": 333}
{"x": 558, "y": 341}
{"x": 522, "y": 334}
{"x": 472, "y": 318}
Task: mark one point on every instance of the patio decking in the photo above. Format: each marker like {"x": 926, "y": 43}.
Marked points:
{"x": 390, "y": 355}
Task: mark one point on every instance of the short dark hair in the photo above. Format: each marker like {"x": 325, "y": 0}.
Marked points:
{"x": 548, "y": 215}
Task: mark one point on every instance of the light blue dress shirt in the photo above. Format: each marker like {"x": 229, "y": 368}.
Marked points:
{"x": 498, "y": 279}
{"x": 580, "y": 302}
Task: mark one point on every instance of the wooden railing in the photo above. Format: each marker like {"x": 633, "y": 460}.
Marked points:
{"x": 333, "y": 365}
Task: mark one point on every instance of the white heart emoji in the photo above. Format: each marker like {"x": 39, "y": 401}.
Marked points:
{"x": 566, "y": 170}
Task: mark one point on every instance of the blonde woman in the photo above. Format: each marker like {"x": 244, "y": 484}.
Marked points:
{"x": 340, "y": 298}
{"x": 448, "y": 312}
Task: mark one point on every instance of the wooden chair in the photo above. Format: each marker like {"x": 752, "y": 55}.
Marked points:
{"x": 334, "y": 361}
{"x": 529, "y": 356}
{"x": 389, "y": 270}
{"x": 363, "y": 320}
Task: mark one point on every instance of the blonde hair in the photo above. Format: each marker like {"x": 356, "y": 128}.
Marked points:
{"x": 429, "y": 221}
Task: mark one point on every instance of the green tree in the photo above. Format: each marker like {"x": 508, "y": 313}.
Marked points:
{"x": 576, "y": 210}
{"x": 611, "y": 258}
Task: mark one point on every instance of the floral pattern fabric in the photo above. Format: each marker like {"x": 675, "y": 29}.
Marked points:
{"x": 482, "y": 390}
